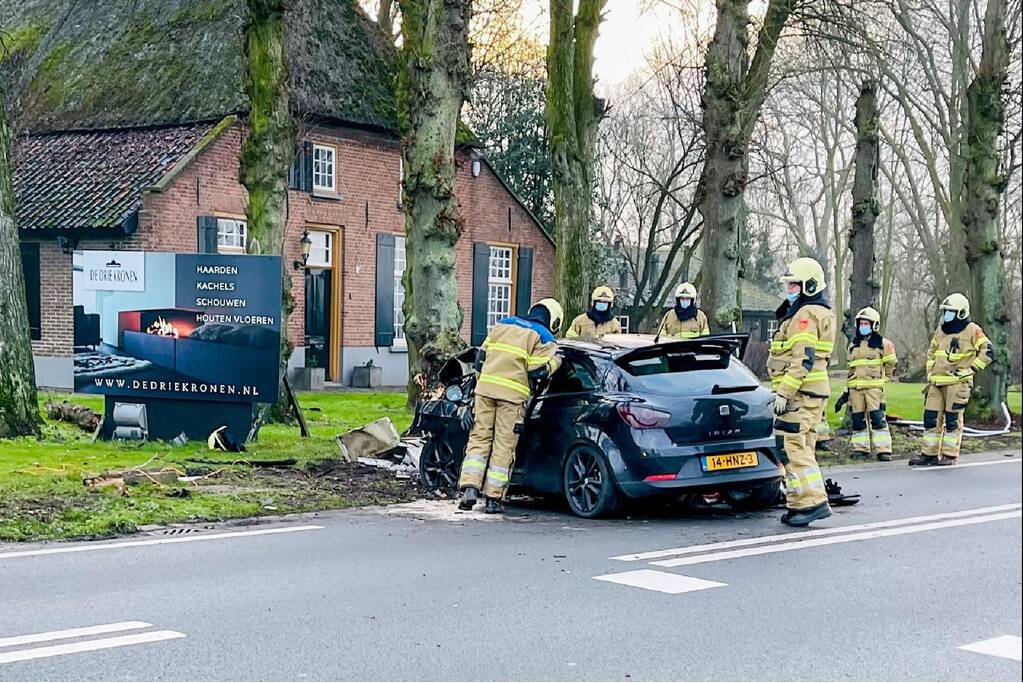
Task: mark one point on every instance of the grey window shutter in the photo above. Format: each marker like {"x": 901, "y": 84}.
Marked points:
{"x": 524, "y": 281}
{"x": 384, "y": 335}
{"x": 480, "y": 290}
{"x": 307, "y": 167}
{"x": 30, "y": 269}
{"x": 206, "y": 242}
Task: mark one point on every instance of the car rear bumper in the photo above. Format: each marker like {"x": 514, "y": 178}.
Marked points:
{"x": 687, "y": 462}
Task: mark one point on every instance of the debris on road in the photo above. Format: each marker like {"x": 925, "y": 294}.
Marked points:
{"x": 836, "y": 497}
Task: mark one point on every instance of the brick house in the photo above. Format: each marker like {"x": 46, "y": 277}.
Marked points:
{"x": 165, "y": 177}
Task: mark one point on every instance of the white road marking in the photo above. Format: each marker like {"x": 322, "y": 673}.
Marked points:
{"x": 813, "y": 533}
{"x": 662, "y": 582}
{"x": 87, "y": 646}
{"x": 72, "y": 633}
{"x": 848, "y": 538}
{"x": 1009, "y": 647}
{"x": 959, "y": 466}
{"x": 155, "y": 541}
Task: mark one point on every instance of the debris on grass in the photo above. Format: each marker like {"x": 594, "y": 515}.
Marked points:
{"x": 85, "y": 418}
{"x": 374, "y": 439}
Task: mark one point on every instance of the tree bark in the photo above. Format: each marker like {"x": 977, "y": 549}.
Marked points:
{"x": 433, "y": 81}
{"x": 19, "y": 409}
{"x": 863, "y": 283}
{"x": 733, "y": 95}
{"x": 268, "y": 151}
{"x": 573, "y": 115}
{"x": 984, "y": 185}
{"x": 385, "y": 18}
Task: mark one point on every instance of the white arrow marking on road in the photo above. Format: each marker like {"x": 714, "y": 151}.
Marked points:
{"x": 156, "y": 541}
{"x": 813, "y": 533}
{"x": 848, "y": 538}
{"x": 73, "y": 633}
{"x": 1009, "y": 647}
{"x": 959, "y": 466}
{"x": 87, "y": 646}
{"x": 662, "y": 582}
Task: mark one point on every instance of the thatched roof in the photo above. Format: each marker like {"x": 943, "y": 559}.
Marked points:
{"x": 111, "y": 63}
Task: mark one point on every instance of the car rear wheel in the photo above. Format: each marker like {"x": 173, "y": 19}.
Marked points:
{"x": 757, "y": 498}
{"x": 587, "y": 484}
{"x": 438, "y": 466}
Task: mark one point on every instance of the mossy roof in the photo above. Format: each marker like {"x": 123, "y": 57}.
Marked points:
{"x": 113, "y": 63}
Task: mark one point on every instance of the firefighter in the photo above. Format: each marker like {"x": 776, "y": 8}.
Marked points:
{"x": 684, "y": 320}
{"x": 517, "y": 353}
{"x": 958, "y": 349}
{"x": 871, "y": 364}
{"x": 599, "y": 319}
{"x": 798, "y": 366}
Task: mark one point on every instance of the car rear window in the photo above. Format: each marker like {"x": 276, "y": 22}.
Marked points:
{"x": 687, "y": 372}
{"x": 675, "y": 361}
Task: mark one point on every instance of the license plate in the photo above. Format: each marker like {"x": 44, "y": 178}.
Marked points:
{"x": 730, "y": 461}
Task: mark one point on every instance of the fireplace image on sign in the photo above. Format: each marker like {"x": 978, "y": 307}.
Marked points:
{"x": 171, "y": 338}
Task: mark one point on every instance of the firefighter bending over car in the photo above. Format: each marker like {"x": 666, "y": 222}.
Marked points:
{"x": 798, "y": 366}
{"x": 958, "y": 349}
{"x": 517, "y": 353}
{"x": 684, "y": 320}
{"x": 598, "y": 320}
{"x": 872, "y": 362}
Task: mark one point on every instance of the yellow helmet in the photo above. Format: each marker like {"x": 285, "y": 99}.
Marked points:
{"x": 554, "y": 308}
{"x": 686, "y": 290}
{"x": 603, "y": 293}
{"x": 958, "y": 303}
{"x": 871, "y": 315}
{"x": 808, "y": 273}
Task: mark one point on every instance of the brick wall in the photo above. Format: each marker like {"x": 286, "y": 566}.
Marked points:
{"x": 368, "y": 182}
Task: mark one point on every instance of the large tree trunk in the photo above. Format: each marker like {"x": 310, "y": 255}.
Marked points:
{"x": 863, "y": 283}
{"x": 733, "y": 95}
{"x": 984, "y": 185}
{"x": 19, "y": 410}
{"x": 573, "y": 115}
{"x": 268, "y": 151}
{"x": 433, "y": 81}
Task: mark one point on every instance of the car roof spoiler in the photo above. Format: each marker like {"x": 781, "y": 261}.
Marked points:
{"x": 732, "y": 343}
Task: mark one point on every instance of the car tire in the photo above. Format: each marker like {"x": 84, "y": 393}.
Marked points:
{"x": 438, "y": 466}
{"x": 587, "y": 484}
{"x": 757, "y": 498}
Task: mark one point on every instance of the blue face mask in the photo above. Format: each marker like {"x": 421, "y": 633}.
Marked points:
{"x": 601, "y": 306}
{"x": 685, "y": 303}
{"x": 949, "y": 316}
{"x": 865, "y": 330}
{"x": 792, "y": 297}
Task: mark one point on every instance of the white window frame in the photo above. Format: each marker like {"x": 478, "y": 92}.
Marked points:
{"x": 232, "y": 235}
{"x": 324, "y": 168}
{"x": 500, "y": 284}
{"x": 399, "y": 292}
{"x": 772, "y": 327}
{"x": 624, "y": 321}
{"x": 321, "y": 251}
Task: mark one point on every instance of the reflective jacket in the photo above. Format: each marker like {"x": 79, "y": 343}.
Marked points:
{"x": 954, "y": 356}
{"x": 801, "y": 349}
{"x": 871, "y": 362}
{"x": 584, "y": 327}
{"x": 514, "y": 348}
{"x": 695, "y": 327}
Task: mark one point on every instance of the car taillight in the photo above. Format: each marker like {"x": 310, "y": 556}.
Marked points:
{"x": 660, "y": 477}
{"x": 642, "y": 417}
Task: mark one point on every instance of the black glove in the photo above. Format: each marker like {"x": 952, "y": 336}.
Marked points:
{"x": 539, "y": 374}
{"x": 842, "y": 400}
{"x": 481, "y": 356}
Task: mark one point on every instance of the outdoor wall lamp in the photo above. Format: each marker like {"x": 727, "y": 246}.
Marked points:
{"x": 307, "y": 247}
{"x": 475, "y": 167}
{"x": 67, "y": 244}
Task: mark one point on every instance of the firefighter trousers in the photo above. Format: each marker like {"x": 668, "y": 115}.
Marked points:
{"x": 943, "y": 418}
{"x": 869, "y": 423}
{"x": 490, "y": 452}
{"x": 795, "y": 432}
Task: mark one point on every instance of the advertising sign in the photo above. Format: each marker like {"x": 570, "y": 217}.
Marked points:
{"x": 184, "y": 326}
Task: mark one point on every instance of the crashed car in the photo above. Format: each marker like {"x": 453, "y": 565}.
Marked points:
{"x": 626, "y": 417}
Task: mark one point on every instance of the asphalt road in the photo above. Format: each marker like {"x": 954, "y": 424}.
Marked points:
{"x": 891, "y": 589}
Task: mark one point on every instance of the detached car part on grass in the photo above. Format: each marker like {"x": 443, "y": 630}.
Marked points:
{"x": 918, "y": 425}
{"x": 624, "y": 417}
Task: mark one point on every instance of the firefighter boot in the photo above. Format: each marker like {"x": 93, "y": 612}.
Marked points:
{"x": 944, "y": 461}
{"x": 493, "y": 506}
{"x": 804, "y": 517}
{"x": 923, "y": 460}
{"x": 884, "y": 457}
{"x": 469, "y": 496}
